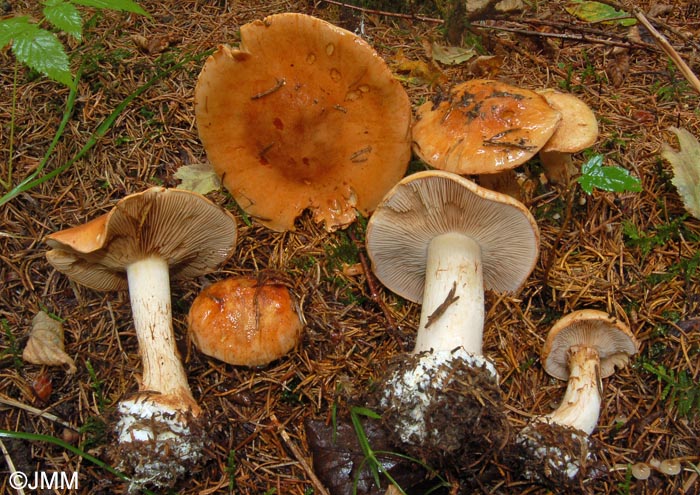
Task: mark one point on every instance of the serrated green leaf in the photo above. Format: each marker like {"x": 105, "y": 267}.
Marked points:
{"x": 199, "y": 178}
{"x": 13, "y": 27}
{"x": 686, "y": 169}
{"x": 120, "y": 5}
{"x": 611, "y": 179}
{"x": 42, "y": 51}
{"x": 599, "y": 12}
{"x": 64, "y": 16}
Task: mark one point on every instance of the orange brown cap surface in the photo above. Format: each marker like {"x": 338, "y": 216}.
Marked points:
{"x": 245, "y": 322}
{"x": 483, "y": 126}
{"x": 303, "y": 115}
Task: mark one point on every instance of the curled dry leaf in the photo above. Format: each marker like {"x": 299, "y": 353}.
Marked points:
{"x": 198, "y": 177}
{"x": 45, "y": 344}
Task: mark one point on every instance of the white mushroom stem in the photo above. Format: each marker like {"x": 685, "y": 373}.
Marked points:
{"x": 163, "y": 372}
{"x": 452, "y": 314}
{"x": 580, "y": 406}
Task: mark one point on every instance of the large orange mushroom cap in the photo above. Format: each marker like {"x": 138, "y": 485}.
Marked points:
{"x": 303, "y": 115}
{"x": 483, "y": 126}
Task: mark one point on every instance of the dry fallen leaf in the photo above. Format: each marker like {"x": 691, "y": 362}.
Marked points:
{"x": 451, "y": 55}
{"x": 45, "y": 344}
{"x": 415, "y": 72}
{"x": 686, "y": 169}
{"x": 198, "y": 177}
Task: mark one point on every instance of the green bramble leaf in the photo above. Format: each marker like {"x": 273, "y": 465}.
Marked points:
{"x": 42, "y": 51}
{"x": 13, "y": 27}
{"x": 599, "y": 12}
{"x": 611, "y": 179}
{"x": 65, "y": 17}
{"x": 120, "y": 5}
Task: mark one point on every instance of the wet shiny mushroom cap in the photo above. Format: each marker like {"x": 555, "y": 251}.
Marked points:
{"x": 186, "y": 229}
{"x": 610, "y": 337}
{"x": 303, "y": 115}
{"x": 482, "y": 126}
{"x": 245, "y": 322}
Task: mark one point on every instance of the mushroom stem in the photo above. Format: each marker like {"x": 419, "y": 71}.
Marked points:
{"x": 163, "y": 372}
{"x": 452, "y": 313}
{"x": 580, "y": 406}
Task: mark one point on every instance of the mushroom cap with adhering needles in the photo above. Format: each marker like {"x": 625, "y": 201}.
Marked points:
{"x": 303, "y": 115}
{"x": 482, "y": 126}
{"x": 190, "y": 232}
{"x": 427, "y": 204}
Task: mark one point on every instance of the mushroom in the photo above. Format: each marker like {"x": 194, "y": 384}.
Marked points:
{"x": 577, "y": 131}
{"x": 146, "y": 239}
{"x": 245, "y": 321}
{"x": 482, "y": 127}
{"x": 582, "y": 348}
{"x": 303, "y": 115}
{"x": 440, "y": 239}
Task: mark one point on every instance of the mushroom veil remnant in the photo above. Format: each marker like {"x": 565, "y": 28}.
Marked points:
{"x": 439, "y": 239}
{"x": 303, "y": 115}
{"x": 144, "y": 241}
{"x": 583, "y": 348}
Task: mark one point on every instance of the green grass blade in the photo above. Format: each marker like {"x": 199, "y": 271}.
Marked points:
{"x": 35, "y": 437}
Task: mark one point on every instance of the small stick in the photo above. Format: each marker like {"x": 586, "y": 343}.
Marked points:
{"x": 280, "y": 83}
{"x": 384, "y": 13}
{"x": 443, "y": 306}
{"x": 38, "y": 412}
{"x": 299, "y": 456}
{"x": 10, "y": 466}
{"x": 670, "y": 51}
{"x": 373, "y": 292}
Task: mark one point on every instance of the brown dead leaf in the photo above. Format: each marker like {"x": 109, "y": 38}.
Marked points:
{"x": 152, "y": 46}
{"x": 45, "y": 344}
{"x": 416, "y": 72}
{"x": 486, "y": 66}
{"x": 618, "y": 66}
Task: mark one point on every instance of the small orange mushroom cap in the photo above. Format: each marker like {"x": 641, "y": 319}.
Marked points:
{"x": 244, "y": 322}
{"x": 303, "y": 115}
{"x": 483, "y": 126}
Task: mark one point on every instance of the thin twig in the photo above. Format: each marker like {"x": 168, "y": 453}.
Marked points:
{"x": 10, "y": 467}
{"x": 38, "y": 412}
{"x": 565, "y": 36}
{"x": 373, "y": 292}
{"x": 299, "y": 456}
{"x": 413, "y": 17}
{"x": 560, "y": 235}
{"x": 669, "y": 50}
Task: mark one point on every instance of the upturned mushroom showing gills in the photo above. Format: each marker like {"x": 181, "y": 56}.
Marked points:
{"x": 146, "y": 239}
{"x": 440, "y": 240}
{"x": 303, "y": 115}
{"x": 482, "y": 126}
{"x": 245, "y": 321}
{"x": 582, "y": 348}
